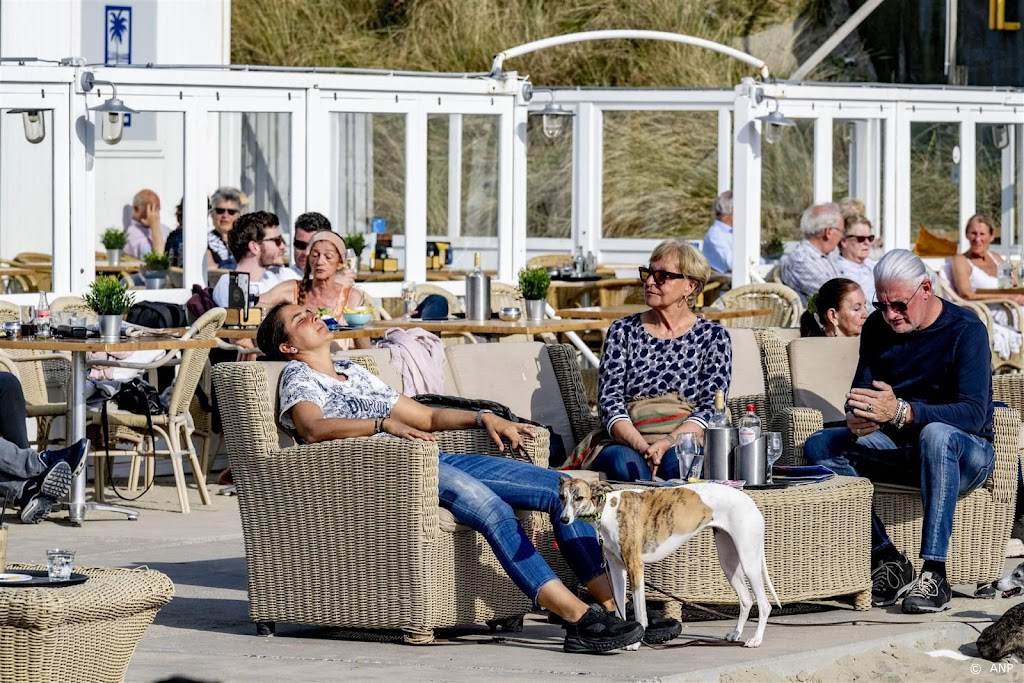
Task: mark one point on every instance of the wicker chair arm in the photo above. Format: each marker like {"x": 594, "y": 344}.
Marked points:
{"x": 796, "y": 424}
{"x": 1003, "y": 482}
{"x": 479, "y": 441}
{"x": 1009, "y": 389}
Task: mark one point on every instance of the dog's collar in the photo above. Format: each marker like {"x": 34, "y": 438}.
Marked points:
{"x": 596, "y": 517}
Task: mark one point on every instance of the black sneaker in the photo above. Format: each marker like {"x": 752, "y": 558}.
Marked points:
{"x": 890, "y": 579}
{"x": 660, "y": 629}
{"x": 931, "y": 593}
{"x": 598, "y": 630}
{"x": 41, "y": 494}
{"x": 73, "y": 455}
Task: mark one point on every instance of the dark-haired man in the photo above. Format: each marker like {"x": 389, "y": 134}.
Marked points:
{"x": 256, "y": 243}
{"x": 306, "y": 225}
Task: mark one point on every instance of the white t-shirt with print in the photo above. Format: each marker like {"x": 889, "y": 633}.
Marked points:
{"x": 362, "y": 396}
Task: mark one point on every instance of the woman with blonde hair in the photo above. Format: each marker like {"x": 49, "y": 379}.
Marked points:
{"x": 659, "y": 372}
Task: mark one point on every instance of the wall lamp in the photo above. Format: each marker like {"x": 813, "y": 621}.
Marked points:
{"x": 112, "y": 111}
{"x": 34, "y": 122}
{"x": 554, "y": 117}
{"x": 1000, "y": 136}
{"x": 773, "y": 123}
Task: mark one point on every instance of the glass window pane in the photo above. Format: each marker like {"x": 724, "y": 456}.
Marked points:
{"x": 660, "y": 173}
{"x": 255, "y": 157}
{"x": 479, "y": 175}
{"x": 989, "y": 196}
{"x": 438, "y": 128}
{"x": 155, "y": 165}
{"x": 842, "y": 138}
{"x": 548, "y": 181}
{"x": 934, "y": 179}
{"x": 369, "y": 171}
{"x": 26, "y": 204}
{"x": 787, "y": 183}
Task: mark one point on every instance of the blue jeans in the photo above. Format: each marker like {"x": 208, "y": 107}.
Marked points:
{"x": 622, "y": 463}
{"x": 945, "y": 462}
{"x": 481, "y": 490}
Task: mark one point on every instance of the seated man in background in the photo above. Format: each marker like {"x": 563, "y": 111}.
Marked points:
{"x": 34, "y": 482}
{"x": 810, "y": 264}
{"x": 145, "y": 233}
{"x": 717, "y": 245}
{"x": 919, "y": 414}
{"x": 256, "y": 243}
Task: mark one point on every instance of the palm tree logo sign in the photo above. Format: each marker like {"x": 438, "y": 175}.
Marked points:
{"x": 119, "y": 35}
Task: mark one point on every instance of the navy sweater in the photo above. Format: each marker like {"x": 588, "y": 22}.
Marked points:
{"x": 944, "y": 371}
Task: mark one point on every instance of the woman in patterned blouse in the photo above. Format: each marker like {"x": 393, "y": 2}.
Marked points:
{"x": 322, "y": 399}
{"x": 663, "y": 351}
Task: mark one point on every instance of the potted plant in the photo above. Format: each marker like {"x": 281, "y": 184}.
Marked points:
{"x": 533, "y": 284}
{"x": 113, "y": 242}
{"x": 156, "y": 265}
{"x": 109, "y": 298}
{"x": 356, "y": 241}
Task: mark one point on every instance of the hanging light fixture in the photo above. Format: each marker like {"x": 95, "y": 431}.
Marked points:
{"x": 555, "y": 118}
{"x": 112, "y": 111}
{"x": 34, "y": 122}
{"x": 773, "y": 123}
{"x": 1001, "y": 136}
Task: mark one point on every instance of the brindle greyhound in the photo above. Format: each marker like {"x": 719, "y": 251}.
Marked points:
{"x": 646, "y": 525}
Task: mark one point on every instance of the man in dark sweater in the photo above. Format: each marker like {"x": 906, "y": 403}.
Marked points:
{"x": 920, "y": 414}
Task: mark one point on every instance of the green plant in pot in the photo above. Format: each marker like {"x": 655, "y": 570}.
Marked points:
{"x": 113, "y": 241}
{"x": 533, "y": 285}
{"x": 156, "y": 266}
{"x": 110, "y": 299}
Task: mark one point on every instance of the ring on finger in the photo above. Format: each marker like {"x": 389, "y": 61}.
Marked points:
{"x": 871, "y": 408}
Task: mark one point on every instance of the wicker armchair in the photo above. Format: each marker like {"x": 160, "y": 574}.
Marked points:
{"x": 983, "y": 516}
{"x": 784, "y": 304}
{"x": 364, "y": 544}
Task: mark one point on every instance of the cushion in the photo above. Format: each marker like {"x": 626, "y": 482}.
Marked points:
{"x": 747, "y": 376}
{"x": 274, "y": 369}
{"x": 519, "y": 376}
{"x": 786, "y": 334}
{"x": 389, "y": 374}
{"x": 822, "y": 369}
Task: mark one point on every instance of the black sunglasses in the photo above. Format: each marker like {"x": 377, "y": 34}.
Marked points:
{"x": 660, "y": 276}
{"x": 299, "y": 244}
{"x": 898, "y": 306}
{"x": 861, "y": 238}
{"x": 220, "y": 210}
{"x": 279, "y": 241}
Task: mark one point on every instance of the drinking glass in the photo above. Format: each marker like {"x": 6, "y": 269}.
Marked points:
{"x": 773, "y": 449}
{"x": 58, "y": 563}
{"x": 686, "y": 452}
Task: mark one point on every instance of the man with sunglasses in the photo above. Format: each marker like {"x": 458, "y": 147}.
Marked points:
{"x": 810, "y": 264}
{"x": 306, "y": 225}
{"x": 919, "y": 414}
{"x": 145, "y": 233}
{"x": 258, "y": 247}
{"x": 853, "y": 262}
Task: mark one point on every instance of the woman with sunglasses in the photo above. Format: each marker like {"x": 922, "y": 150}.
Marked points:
{"x": 659, "y": 372}
{"x": 225, "y": 207}
{"x": 837, "y": 310}
{"x": 853, "y": 262}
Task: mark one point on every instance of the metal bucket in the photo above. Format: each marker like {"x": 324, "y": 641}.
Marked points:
{"x": 535, "y": 309}
{"x": 114, "y": 257}
{"x": 718, "y": 447}
{"x": 751, "y": 462}
{"x": 110, "y": 328}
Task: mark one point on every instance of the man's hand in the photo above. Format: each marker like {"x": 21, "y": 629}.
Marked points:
{"x": 500, "y": 428}
{"x": 861, "y": 427}
{"x": 151, "y": 216}
{"x": 404, "y": 431}
{"x": 878, "y": 404}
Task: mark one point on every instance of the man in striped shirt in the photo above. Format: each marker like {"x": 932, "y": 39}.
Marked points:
{"x": 810, "y": 264}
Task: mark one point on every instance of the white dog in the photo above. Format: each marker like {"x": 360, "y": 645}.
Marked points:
{"x": 647, "y": 524}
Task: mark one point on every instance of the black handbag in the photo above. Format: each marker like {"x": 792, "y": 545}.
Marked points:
{"x": 140, "y": 397}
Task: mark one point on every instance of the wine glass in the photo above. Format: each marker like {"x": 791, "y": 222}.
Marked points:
{"x": 773, "y": 449}
{"x": 686, "y": 452}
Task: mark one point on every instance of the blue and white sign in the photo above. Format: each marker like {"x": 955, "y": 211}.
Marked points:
{"x": 118, "y": 31}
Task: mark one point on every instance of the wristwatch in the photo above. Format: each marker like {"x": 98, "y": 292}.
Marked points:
{"x": 480, "y": 417}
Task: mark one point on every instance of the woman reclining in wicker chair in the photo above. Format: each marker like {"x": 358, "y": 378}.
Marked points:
{"x": 323, "y": 399}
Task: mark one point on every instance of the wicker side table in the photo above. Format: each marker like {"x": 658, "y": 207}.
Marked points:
{"x": 86, "y": 632}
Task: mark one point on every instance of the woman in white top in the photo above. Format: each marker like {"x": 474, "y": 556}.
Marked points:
{"x": 853, "y": 262}
{"x": 978, "y": 267}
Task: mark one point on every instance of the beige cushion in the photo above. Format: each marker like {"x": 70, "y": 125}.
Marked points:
{"x": 446, "y": 520}
{"x": 389, "y": 374}
{"x": 786, "y": 334}
{"x": 747, "y": 376}
{"x": 822, "y": 369}
{"x": 274, "y": 369}
{"x": 519, "y": 376}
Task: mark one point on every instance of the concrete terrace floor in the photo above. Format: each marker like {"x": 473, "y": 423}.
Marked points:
{"x": 205, "y": 633}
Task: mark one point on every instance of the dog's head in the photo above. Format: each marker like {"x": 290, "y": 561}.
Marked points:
{"x": 580, "y": 498}
{"x": 1012, "y": 584}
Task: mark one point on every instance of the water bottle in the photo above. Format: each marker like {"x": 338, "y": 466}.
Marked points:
{"x": 42, "y": 316}
{"x": 749, "y": 426}
{"x": 720, "y": 419}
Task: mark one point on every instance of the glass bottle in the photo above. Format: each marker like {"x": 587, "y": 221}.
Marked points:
{"x": 720, "y": 419}
{"x": 42, "y": 316}
{"x": 749, "y": 426}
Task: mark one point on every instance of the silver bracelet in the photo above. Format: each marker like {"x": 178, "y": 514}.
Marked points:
{"x": 480, "y": 417}
{"x": 899, "y": 418}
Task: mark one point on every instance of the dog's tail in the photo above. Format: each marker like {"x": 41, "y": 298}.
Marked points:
{"x": 768, "y": 579}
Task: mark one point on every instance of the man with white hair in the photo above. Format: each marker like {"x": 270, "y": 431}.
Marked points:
{"x": 717, "y": 246}
{"x": 810, "y": 264}
{"x": 919, "y": 414}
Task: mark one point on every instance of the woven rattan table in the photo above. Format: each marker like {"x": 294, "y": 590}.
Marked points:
{"x": 817, "y": 545}
{"x": 86, "y": 632}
